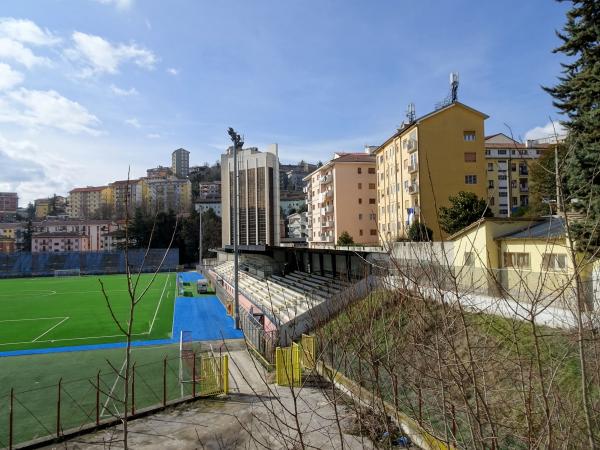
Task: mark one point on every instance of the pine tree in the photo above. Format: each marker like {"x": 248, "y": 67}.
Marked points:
{"x": 577, "y": 96}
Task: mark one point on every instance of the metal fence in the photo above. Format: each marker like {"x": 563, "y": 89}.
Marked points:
{"x": 72, "y": 405}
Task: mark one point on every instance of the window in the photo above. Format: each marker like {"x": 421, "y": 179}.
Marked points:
{"x": 359, "y": 170}
{"x": 554, "y": 261}
{"x": 492, "y": 201}
{"x": 491, "y": 184}
{"x": 360, "y": 217}
{"x": 371, "y": 185}
{"x": 470, "y": 157}
{"x": 360, "y": 201}
{"x": 502, "y": 152}
{"x": 504, "y": 211}
{"x": 469, "y": 136}
{"x": 372, "y": 216}
{"x": 513, "y": 167}
{"x": 360, "y": 185}
{"x": 469, "y": 259}
{"x": 373, "y": 232}
{"x": 502, "y": 177}
{"x": 470, "y": 179}
{"x": 502, "y": 194}
{"x": 360, "y": 232}
{"x": 490, "y": 167}
{"x": 515, "y": 201}
{"x": 518, "y": 260}
{"x": 488, "y": 152}
{"x": 371, "y": 201}
{"x": 371, "y": 170}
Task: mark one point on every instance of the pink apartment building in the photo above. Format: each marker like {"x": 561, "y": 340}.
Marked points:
{"x": 342, "y": 196}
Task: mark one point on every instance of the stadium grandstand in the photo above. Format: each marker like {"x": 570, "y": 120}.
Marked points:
{"x": 282, "y": 299}
{"x": 24, "y": 264}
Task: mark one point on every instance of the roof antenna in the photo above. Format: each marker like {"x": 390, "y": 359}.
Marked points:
{"x": 453, "y": 87}
{"x": 410, "y": 113}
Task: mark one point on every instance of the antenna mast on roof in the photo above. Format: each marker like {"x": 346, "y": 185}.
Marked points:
{"x": 410, "y": 113}
{"x": 453, "y": 96}
{"x": 453, "y": 87}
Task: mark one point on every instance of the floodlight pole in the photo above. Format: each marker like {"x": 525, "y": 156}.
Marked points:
{"x": 200, "y": 239}
{"x": 237, "y": 144}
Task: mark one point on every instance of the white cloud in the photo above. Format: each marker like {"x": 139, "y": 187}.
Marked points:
{"x": 14, "y": 50}
{"x": 22, "y": 171}
{"x": 123, "y": 92}
{"x": 9, "y": 77}
{"x": 119, "y": 4}
{"x": 37, "y": 109}
{"x": 26, "y": 31}
{"x": 173, "y": 71}
{"x": 547, "y": 131}
{"x": 153, "y": 136}
{"x": 133, "y": 122}
{"x": 97, "y": 55}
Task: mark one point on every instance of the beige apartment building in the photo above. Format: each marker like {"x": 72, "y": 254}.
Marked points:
{"x": 88, "y": 201}
{"x": 125, "y": 192}
{"x": 342, "y": 196}
{"x": 427, "y": 160}
{"x": 508, "y": 167}
{"x": 166, "y": 194}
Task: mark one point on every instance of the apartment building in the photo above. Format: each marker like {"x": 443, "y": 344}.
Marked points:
{"x": 342, "y": 196}
{"x": 7, "y": 245}
{"x": 64, "y": 241}
{"x": 427, "y": 160}
{"x": 291, "y": 200}
{"x": 9, "y": 203}
{"x": 297, "y": 225}
{"x": 167, "y": 194}
{"x": 204, "y": 205}
{"x": 508, "y": 164}
{"x": 125, "y": 192}
{"x": 13, "y": 232}
{"x": 209, "y": 190}
{"x": 159, "y": 172}
{"x": 87, "y": 202}
{"x": 258, "y": 196}
{"x": 98, "y": 232}
{"x": 180, "y": 163}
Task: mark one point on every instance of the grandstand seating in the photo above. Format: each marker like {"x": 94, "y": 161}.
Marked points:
{"x": 24, "y": 264}
{"x": 283, "y": 297}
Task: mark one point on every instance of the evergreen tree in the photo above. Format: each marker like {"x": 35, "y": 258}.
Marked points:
{"x": 577, "y": 95}
{"x": 27, "y": 235}
{"x": 345, "y": 239}
{"x": 542, "y": 183}
{"x": 465, "y": 209}
{"x": 419, "y": 232}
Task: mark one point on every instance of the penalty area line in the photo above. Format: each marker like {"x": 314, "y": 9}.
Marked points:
{"x": 50, "y": 329}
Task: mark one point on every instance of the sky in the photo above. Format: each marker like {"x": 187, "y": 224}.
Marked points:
{"x": 91, "y": 88}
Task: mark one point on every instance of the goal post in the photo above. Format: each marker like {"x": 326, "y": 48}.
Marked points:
{"x": 67, "y": 272}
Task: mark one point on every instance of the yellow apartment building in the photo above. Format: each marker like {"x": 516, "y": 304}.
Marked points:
{"x": 125, "y": 192}
{"x": 423, "y": 163}
{"x": 88, "y": 201}
{"x": 342, "y": 196}
{"x": 508, "y": 164}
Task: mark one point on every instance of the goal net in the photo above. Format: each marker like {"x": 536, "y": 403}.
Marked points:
{"x": 187, "y": 356}
{"x": 67, "y": 272}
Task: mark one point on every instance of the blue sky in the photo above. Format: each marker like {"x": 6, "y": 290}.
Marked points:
{"x": 88, "y": 87}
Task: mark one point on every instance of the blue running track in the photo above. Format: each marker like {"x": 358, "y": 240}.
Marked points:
{"x": 204, "y": 316}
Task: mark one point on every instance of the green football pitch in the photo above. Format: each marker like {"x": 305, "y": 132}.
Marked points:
{"x": 72, "y": 311}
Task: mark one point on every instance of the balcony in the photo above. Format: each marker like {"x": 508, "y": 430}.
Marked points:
{"x": 524, "y": 171}
{"x": 413, "y": 188}
{"x": 329, "y": 193}
{"x": 523, "y": 188}
{"x": 327, "y": 209}
{"x": 327, "y": 224}
{"x": 326, "y": 179}
{"x": 411, "y": 145}
{"x": 412, "y": 168}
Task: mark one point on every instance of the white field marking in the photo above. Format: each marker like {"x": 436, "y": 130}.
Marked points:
{"x": 108, "y": 399}
{"x": 50, "y": 329}
{"x": 158, "y": 306}
{"x": 42, "y": 293}
{"x": 36, "y": 318}
{"x": 74, "y": 339}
